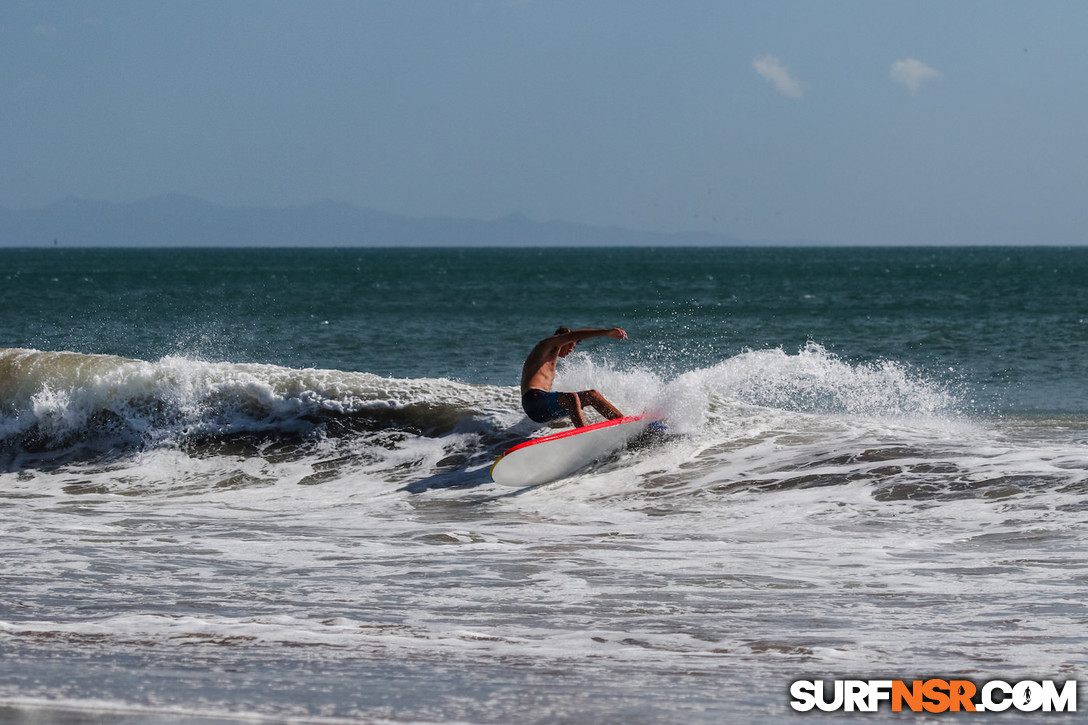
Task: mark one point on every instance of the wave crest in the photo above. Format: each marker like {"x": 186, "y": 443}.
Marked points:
{"x": 63, "y": 406}
{"x": 65, "y": 401}
{"x": 817, "y": 381}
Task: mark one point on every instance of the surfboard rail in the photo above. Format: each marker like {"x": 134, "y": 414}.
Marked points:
{"x": 574, "y": 431}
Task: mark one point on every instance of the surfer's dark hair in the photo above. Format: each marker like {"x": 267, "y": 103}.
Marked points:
{"x": 562, "y": 331}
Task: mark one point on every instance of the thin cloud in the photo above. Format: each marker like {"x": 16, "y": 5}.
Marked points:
{"x": 772, "y": 69}
{"x": 912, "y": 73}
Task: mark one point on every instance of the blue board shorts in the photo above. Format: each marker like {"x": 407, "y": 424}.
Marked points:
{"x": 542, "y": 406}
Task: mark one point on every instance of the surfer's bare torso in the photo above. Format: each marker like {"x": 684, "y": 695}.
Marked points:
{"x": 538, "y": 376}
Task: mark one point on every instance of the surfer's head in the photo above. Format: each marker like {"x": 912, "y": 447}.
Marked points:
{"x": 569, "y": 347}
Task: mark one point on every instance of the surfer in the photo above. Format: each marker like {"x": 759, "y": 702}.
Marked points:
{"x": 537, "y": 398}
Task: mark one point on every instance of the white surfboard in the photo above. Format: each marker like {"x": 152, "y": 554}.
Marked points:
{"x": 552, "y": 457}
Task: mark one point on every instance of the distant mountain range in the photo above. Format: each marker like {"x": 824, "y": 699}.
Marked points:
{"x": 183, "y": 221}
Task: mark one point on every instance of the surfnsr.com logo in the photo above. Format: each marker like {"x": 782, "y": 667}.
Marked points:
{"x": 933, "y": 695}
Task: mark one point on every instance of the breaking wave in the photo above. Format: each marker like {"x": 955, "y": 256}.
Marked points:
{"x": 65, "y": 406}
{"x": 72, "y": 405}
{"x": 760, "y": 420}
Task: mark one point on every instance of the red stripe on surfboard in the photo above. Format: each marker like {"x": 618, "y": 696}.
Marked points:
{"x": 574, "y": 431}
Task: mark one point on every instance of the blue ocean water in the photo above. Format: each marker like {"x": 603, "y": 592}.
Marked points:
{"x": 253, "y": 483}
{"x": 1009, "y": 323}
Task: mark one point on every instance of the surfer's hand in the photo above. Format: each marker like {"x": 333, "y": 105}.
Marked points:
{"x": 617, "y": 333}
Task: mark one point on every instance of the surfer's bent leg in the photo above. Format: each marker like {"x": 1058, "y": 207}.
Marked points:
{"x": 597, "y": 401}
{"x": 573, "y": 405}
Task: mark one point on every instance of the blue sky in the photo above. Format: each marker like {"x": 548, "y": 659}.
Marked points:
{"x": 856, "y": 122}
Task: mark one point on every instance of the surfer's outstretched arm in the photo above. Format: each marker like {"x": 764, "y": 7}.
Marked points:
{"x": 579, "y": 335}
